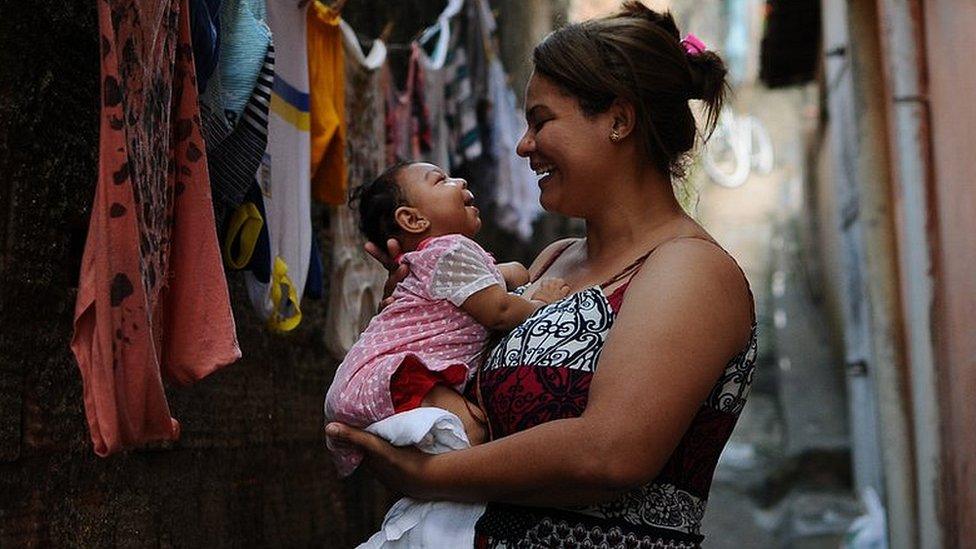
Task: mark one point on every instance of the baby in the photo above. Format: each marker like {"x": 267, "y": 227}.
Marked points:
{"x": 421, "y": 350}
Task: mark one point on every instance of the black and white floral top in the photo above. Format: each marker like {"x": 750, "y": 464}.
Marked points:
{"x": 541, "y": 371}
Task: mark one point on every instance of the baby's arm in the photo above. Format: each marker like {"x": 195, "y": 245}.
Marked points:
{"x": 496, "y": 309}
{"x": 514, "y": 273}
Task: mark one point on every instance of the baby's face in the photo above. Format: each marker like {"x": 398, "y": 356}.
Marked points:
{"x": 444, "y": 201}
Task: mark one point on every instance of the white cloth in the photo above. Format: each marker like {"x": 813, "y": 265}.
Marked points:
{"x": 434, "y": 83}
{"x": 516, "y": 189}
{"x": 284, "y": 175}
{"x": 417, "y": 524}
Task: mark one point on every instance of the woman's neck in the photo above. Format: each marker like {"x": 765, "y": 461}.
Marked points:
{"x": 642, "y": 214}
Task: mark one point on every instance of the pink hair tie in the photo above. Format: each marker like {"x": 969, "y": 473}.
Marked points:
{"x": 693, "y": 45}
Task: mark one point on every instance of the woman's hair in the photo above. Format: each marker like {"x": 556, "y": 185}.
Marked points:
{"x": 377, "y": 202}
{"x": 636, "y": 55}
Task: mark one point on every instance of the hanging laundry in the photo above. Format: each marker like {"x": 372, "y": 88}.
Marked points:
{"x": 465, "y": 74}
{"x": 407, "y": 118}
{"x": 326, "y": 75}
{"x": 245, "y": 38}
{"x": 152, "y": 299}
{"x": 258, "y": 262}
{"x": 235, "y": 154}
{"x": 436, "y": 40}
{"x": 205, "y": 32}
{"x": 515, "y": 190}
{"x": 245, "y": 238}
{"x": 284, "y": 173}
{"x": 315, "y": 282}
{"x": 355, "y": 279}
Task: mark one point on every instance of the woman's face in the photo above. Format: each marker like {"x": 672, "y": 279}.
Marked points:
{"x": 568, "y": 150}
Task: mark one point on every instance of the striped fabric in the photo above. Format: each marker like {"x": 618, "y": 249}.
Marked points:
{"x": 235, "y": 154}
{"x": 290, "y": 104}
{"x": 244, "y": 40}
{"x": 460, "y": 97}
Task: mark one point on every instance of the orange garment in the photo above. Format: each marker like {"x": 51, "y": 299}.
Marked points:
{"x": 327, "y": 105}
{"x": 152, "y": 297}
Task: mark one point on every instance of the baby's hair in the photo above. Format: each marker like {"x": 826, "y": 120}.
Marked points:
{"x": 377, "y": 202}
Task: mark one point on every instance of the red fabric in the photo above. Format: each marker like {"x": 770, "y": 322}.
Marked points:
{"x": 412, "y": 381}
{"x": 152, "y": 297}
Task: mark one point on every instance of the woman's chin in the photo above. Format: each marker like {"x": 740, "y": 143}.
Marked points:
{"x": 548, "y": 203}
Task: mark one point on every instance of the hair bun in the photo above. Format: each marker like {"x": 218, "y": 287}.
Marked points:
{"x": 633, "y": 8}
{"x": 708, "y": 83}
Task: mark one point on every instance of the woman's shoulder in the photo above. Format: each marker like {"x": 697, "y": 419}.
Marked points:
{"x": 699, "y": 278}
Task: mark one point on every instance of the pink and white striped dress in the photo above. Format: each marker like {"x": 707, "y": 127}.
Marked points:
{"x": 425, "y": 322}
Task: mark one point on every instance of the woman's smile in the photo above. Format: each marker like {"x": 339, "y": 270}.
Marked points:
{"x": 544, "y": 172}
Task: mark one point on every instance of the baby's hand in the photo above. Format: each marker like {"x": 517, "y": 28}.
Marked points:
{"x": 550, "y": 289}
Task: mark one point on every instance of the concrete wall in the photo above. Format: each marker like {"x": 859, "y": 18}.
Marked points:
{"x": 950, "y": 44}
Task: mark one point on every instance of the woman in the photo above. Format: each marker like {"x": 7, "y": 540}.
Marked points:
{"x": 608, "y": 409}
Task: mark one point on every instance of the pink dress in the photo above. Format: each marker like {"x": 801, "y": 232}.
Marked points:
{"x": 425, "y": 322}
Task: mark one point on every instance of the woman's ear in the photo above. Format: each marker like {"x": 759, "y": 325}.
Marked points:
{"x": 623, "y": 118}
{"x": 410, "y": 220}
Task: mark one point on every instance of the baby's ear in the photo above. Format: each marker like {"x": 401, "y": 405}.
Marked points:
{"x": 410, "y": 220}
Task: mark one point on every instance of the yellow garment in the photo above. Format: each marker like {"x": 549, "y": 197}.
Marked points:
{"x": 327, "y": 105}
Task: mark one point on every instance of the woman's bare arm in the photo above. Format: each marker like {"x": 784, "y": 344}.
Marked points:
{"x": 654, "y": 372}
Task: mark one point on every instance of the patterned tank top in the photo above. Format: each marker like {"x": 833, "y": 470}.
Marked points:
{"x": 541, "y": 371}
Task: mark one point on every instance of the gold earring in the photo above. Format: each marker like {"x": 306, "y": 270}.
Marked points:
{"x": 614, "y": 135}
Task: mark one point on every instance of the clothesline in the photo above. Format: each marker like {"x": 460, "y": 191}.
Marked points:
{"x": 272, "y": 127}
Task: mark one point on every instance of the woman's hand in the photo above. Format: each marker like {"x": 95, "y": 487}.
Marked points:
{"x": 397, "y": 272}
{"x": 400, "y": 469}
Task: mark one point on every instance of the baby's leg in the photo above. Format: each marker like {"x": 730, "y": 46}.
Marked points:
{"x": 471, "y": 416}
